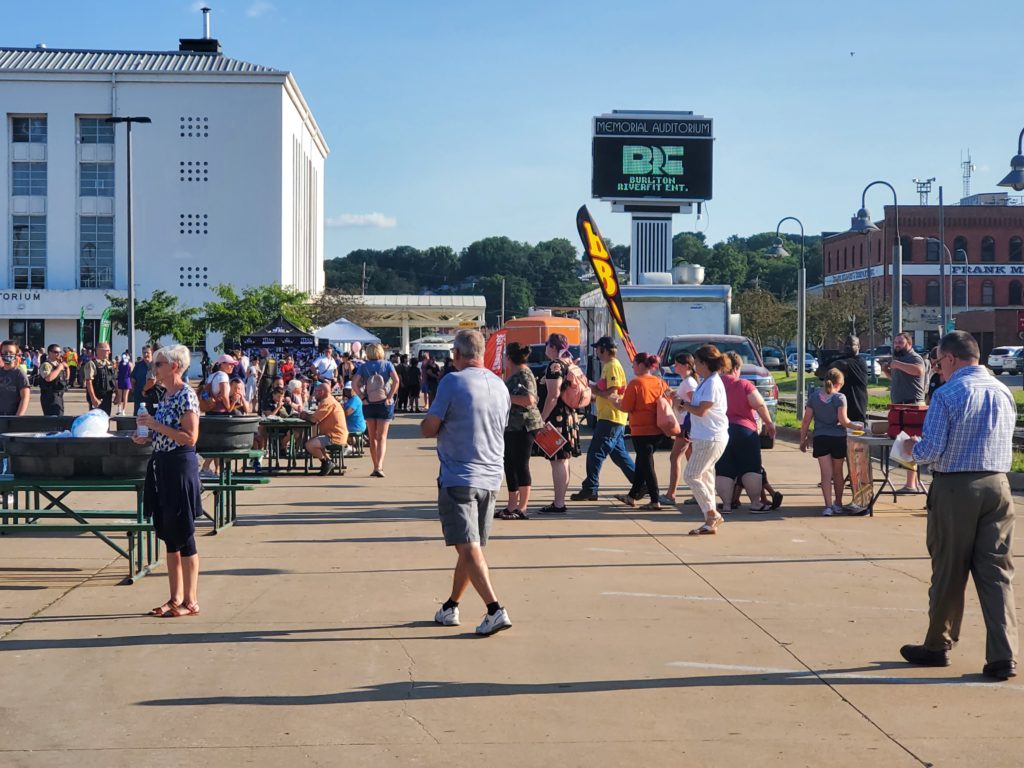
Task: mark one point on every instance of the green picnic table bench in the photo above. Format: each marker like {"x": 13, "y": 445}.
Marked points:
{"x": 45, "y": 500}
{"x": 225, "y": 487}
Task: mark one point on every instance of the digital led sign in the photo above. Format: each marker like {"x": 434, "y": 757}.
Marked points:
{"x": 657, "y": 158}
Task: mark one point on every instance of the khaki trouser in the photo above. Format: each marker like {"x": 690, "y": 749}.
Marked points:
{"x": 699, "y": 473}
{"x": 970, "y": 531}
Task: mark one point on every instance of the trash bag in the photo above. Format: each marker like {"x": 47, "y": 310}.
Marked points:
{"x": 94, "y": 423}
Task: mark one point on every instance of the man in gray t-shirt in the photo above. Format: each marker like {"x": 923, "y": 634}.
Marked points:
{"x": 468, "y": 417}
{"x": 908, "y": 374}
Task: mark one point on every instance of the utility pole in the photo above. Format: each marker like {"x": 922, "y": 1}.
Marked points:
{"x": 364, "y": 278}
{"x": 503, "y": 301}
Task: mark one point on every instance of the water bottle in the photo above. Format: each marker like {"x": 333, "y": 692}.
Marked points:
{"x": 140, "y": 430}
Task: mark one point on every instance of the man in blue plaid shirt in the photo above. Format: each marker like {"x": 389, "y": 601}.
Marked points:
{"x": 967, "y": 440}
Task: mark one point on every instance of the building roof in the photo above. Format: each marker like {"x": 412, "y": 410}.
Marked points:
{"x": 417, "y": 301}
{"x": 56, "y": 60}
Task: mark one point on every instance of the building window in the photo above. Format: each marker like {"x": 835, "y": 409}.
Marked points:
{"x": 960, "y": 249}
{"x": 960, "y": 293}
{"x": 908, "y": 292}
{"x": 988, "y": 293}
{"x": 95, "y": 130}
{"x": 28, "y": 130}
{"x": 1016, "y": 294}
{"x": 27, "y": 333}
{"x": 96, "y": 179}
{"x": 908, "y": 248}
{"x": 1016, "y": 249}
{"x": 862, "y": 254}
{"x": 28, "y": 265}
{"x": 931, "y": 293}
{"x": 28, "y": 179}
{"x": 934, "y": 250}
{"x": 988, "y": 249}
{"x": 96, "y": 252}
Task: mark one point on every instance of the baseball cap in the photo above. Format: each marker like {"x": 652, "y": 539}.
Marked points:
{"x": 226, "y": 359}
{"x": 605, "y": 342}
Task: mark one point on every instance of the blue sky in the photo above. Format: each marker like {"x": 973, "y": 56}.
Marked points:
{"x": 451, "y": 121}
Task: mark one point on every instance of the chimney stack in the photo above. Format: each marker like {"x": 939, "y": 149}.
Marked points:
{"x": 204, "y": 44}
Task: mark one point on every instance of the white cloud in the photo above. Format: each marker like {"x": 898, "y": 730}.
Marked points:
{"x": 258, "y": 8}
{"x": 375, "y": 220}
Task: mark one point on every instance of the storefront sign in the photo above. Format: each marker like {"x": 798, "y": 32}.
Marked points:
{"x": 850, "y": 277}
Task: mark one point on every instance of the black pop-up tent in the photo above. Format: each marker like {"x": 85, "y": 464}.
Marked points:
{"x": 279, "y": 333}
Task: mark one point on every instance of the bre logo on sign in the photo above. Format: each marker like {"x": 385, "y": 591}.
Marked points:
{"x": 652, "y": 160}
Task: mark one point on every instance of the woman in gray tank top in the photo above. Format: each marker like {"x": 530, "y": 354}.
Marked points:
{"x": 826, "y": 407}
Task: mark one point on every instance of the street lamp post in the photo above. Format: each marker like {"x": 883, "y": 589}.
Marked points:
{"x": 942, "y": 280}
{"x": 801, "y": 309}
{"x": 862, "y": 223}
{"x": 1015, "y": 178}
{"x": 131, "y": 251}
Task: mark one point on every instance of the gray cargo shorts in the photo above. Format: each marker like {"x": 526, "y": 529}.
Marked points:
{"x": 466, "y": 514}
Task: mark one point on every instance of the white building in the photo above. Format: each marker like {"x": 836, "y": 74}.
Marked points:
{"x": 227, "y": 182}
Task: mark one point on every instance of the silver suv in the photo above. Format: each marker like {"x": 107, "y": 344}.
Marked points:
{"x": 753, "y": 368}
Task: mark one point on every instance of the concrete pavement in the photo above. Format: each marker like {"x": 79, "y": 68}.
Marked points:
{"x": 773, "y": 643}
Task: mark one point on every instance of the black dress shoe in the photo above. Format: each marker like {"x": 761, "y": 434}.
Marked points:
{"x": 1000, "y": 670}
{"x": 922, "y": 657}
{"x": 583, "y": 496}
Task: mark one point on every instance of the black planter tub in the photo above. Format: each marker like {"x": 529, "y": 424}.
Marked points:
{"x": 33, "y": 454}
{"x": 123, "y": 423}
{"x": 226, "y": 433}
{"x": 35, "y": 423}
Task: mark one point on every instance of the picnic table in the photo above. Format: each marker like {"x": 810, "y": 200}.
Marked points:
{"x": 46, "y": 499}
{"x": 228, "y": 483}
{"x": 297, "y": 431}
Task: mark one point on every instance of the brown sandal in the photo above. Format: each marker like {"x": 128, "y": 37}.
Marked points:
{"x": 626, "y": 499}
{"x": 709, "y": 528}
{"x": 176, "y": 612}
{"x": 160, "y": 610}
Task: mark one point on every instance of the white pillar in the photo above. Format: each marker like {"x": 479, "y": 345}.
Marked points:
{"x": 405, "y": 335}
{"x": 651, "y": 245}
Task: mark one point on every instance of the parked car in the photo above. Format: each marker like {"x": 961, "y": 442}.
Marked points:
{"x": 1014, "y": 363}
{"x": 998, "y": 356}
{"x": 810, "y": 362}
{"x": 753, "y": 367}
{"x": 867, "y": 364}
{"x": 773, "y": 358}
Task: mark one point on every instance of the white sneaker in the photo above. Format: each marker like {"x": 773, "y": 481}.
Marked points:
{"x": 205, "y": 473}
{"x": 837, "y": 509}
{"x": 494, "y": 622}
{"x": 855, "y": 509}
{"x": 828, "y": 511}
{"x": 449, "y": 617}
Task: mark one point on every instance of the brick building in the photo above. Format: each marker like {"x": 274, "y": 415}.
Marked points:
{"x": 985, "y": 237}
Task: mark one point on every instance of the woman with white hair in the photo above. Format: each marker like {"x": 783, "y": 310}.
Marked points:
{"x": 173, "y": 491}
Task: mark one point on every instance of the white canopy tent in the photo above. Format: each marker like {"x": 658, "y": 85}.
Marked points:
{"x": 407, "y": 311}
{"x": 343, "y": 331}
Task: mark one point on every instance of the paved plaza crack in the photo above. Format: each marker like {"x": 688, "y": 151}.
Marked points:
{"x": 784, "y": 646}
{"x": 877, "y": 563}
{"x": 58, "y": 598}
{"x": 412, "y": 688}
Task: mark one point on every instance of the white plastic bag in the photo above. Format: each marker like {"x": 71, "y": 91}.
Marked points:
{"x": 903, "y": 451}
{"x": 94, "y": 423}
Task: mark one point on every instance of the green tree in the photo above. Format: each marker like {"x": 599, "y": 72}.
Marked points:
{"x": 518, "y": 296}
{"x": 766, "y": 320}
{"x": 158, "y": 316}
{"x": 494, "y": 256}
{"x": 235, "y": 314}
{"x": 690, "y": 248}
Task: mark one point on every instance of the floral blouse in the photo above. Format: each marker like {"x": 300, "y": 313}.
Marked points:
{"x": 169, "y": 413}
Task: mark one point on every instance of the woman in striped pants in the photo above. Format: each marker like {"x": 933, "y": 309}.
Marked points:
{"x": 709, "y": 432}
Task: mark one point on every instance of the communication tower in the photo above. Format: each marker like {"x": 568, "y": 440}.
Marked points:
{"x": 924, "y": 188}
{"x": 968, "y": 168}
